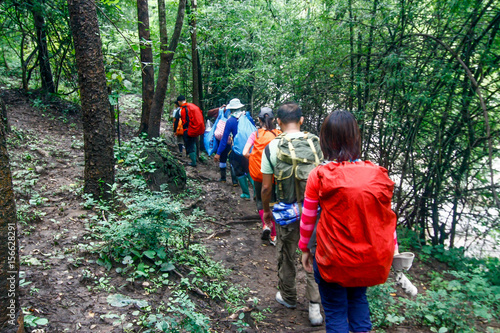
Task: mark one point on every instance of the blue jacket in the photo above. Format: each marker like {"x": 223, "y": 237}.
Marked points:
{"x": 231, "y": 128}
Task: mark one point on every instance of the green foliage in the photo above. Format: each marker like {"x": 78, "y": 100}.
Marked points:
{"x": 19, "y": 40}
{"x": 455, "y": 304}
{"x": 137, "y": 159}
{"x": 384, "y": 310}
{"x": 180, "y": 316}
{"x": 455, "y": 300}
{"x": 33, "y": 321}
{"x": 419, "y": 114}
{"x": 131, "y": 156}
{"x": 241, "y": 324}
{"x": 152, "y": 221}
{"x": 146, "y": 235}
{"x": 454, "y": 258}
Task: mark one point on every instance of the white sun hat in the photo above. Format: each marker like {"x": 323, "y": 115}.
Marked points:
{"x": 234, "y": 104}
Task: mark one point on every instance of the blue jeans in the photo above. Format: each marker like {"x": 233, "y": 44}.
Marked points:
{"x": 346, "y": 309}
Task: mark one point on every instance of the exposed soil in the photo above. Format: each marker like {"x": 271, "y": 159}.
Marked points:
{"x": 59, "y": 291}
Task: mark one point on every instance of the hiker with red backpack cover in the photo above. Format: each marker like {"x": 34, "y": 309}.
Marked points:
{"x": 256, "y": 144}
{"x": 193, "y": 124}
{"x": 356, "y": 229}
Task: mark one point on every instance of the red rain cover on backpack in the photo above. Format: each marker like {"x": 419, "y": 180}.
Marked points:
{"x": 192, "y": 118}
{"x": 355, "y": 233}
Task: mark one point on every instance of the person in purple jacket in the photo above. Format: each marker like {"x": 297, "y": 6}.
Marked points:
{"x": 239, "y": 163}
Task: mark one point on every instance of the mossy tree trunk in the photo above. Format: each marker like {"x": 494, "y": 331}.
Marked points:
{"x": 148, "y": 76}
{"x": 43, "y": 50}
{"x": 97, "y": 123}
{"x": 166, "y": 57}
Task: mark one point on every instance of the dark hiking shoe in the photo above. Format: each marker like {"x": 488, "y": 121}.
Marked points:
{"x": 265, "y": 233}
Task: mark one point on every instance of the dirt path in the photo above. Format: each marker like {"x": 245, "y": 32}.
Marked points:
{"x": 252, "y": 260}
{"x": 64, "y": 284}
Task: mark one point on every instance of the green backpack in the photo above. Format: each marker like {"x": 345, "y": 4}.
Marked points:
{"x": 295, "y": 159}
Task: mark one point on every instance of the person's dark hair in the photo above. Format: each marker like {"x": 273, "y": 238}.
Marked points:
{"x": 289, "y": 112}
{"x": 181, "y": 98}
{"x": 268, "y": 122}
{"x": 340, "y": 138}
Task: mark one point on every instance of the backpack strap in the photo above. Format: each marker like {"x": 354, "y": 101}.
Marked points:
{"x": 294, "y": 169}
{"x": 311, "y": 144}
{"x": 279, "y": 184}
{"x": 272, "y": 131}
{"x": 267, "y": 152}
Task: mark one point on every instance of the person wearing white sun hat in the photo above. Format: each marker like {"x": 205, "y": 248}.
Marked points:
{"x": 239, "y": 164}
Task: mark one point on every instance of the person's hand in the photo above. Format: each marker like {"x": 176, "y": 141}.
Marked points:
{"x": 268, "y": 219}
{"x": 216, "y": 158}
{"x": 307, "y": 258}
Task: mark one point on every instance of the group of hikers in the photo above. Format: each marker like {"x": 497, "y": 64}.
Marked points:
{"x": 312, "y": 193}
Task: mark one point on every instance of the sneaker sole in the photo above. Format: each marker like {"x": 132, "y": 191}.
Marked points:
{"x": 265, "y": 234}
{"x": 286, "y": 305}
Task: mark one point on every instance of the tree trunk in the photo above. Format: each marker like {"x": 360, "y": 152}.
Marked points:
{"x": 166, "y": 57}
{"x": 11, "y": 315}
{"x": 97, "y": 124}
{"x": 24, "y": 66}
{"x": 194, "y": 56}
{"x": 351, "y": 50}
{"x": 43, "y": 51}
{"x": 4, "y": 121}
{"x": 148, "y": 75}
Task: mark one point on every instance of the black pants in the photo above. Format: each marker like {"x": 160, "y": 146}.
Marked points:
{"x": 190, "y": 143}
{"x": 239, "y": 163}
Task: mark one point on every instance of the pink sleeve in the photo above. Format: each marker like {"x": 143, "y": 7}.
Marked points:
{"x": 251, "y": 139}
{"x": 309, "y": 211}
{"x": 396, "y": 246}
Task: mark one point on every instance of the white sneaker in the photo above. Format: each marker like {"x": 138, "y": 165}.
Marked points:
{"x": 315, "y": 316}
{"x": 280, "y": 300}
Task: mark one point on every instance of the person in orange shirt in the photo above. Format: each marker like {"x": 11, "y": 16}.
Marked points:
{"x": 258, "y": 141}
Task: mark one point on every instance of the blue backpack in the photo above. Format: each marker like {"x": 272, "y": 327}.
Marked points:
{"x": 245, "y": 128}
{"x": 211, "y": 143}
